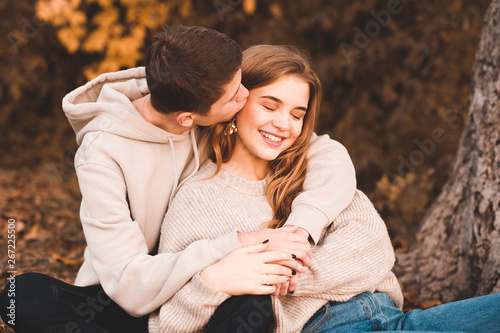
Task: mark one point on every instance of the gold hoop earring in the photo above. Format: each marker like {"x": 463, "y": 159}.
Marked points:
{"x": 231, "y": 127}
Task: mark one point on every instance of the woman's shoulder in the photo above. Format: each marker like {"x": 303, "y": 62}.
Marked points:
{"x": 210, "y": 179}
{"x": 197, "y": 193}
{"x": 206, "y": 172}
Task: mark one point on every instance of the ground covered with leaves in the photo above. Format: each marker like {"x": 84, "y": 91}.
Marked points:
{"x": 396, "y": 97}
{"x": 44, "y": 205}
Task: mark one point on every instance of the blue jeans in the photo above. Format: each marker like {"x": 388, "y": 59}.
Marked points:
{"x": 368, "y": 312}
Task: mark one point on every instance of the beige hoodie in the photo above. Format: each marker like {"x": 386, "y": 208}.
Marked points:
{"x": 128, "y": 171}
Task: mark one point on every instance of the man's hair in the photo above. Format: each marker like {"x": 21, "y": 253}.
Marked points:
{"x": 188, "y": 67}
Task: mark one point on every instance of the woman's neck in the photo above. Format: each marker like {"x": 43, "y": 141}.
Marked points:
{"x": 246, "y": 166}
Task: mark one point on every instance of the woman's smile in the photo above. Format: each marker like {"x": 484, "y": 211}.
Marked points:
{"x": 272, "y": 139}
{"x": 272, "y": 119}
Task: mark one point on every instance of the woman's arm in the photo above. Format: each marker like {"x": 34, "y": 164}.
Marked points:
{"x": 245, "y": 271}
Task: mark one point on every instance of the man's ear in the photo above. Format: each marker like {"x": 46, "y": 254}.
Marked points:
{"x": 185, "y": 119}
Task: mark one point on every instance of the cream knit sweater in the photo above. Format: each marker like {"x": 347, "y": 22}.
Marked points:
{"x": 354, "y": 254}
{"x": 128, "y": 171}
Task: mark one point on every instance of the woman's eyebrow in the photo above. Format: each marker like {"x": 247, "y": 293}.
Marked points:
{"x": 279, "y": 101}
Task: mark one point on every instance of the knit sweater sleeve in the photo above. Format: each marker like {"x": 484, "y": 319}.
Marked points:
{"x": 328, "y": 188}
{"x": 354, "y": 256}
{"x": 190, "y": 309}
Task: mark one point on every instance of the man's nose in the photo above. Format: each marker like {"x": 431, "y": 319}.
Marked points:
{"x": 243, "y": 93}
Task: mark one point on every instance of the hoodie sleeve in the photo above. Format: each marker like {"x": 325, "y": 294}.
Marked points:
{"x": 328, "y": 188}
{"x": 355, "y": 255}
{"x": 118, "y": 251}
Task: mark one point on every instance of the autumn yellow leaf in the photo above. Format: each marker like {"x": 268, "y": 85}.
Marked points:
{"x": 96, "y": 42}
{"x": 103, "y": 3}
{"x": 150, "y": 16}
{"x": 77, "y": 18}
{"x": 65, "y": 260}
{"x": 276, "y": 11}
{"x": 70, "y": 38}
{"x": 106, "y": 19}
{"x": 185, "y": 9}
{"x": 117, "y": 30}
{"x": 249, "y": 6}
{"x": 59, "y": 12}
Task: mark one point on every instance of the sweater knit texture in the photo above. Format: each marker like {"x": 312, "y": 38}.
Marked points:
{"x": 128, "y": 171}
{"x": 353, "y": 255}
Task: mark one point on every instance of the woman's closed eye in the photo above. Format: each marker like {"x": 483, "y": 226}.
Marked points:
{"x": 269, "y": 108}
{"x": 298, "y": 115}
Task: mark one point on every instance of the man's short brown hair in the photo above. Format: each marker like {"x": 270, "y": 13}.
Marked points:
{"x": 187, "y": 68}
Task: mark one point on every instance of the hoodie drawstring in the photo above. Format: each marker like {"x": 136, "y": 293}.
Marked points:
{"x": 196, "y": 167}
{"x": 176, "y": 181}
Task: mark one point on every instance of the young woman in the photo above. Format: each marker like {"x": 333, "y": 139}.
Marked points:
{"x": 256, "y": 168}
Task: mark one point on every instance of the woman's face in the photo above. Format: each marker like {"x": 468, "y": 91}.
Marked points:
{"x": 272, "y": 118}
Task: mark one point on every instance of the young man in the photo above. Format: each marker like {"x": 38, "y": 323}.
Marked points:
{"x": 136, "y": 131}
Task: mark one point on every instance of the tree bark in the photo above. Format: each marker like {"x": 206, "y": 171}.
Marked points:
{"x": 457, "y": 251}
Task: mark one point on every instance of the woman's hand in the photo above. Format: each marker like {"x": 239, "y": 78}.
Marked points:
{"x": 250, "y": 271}
{"x": 288, "y": 238}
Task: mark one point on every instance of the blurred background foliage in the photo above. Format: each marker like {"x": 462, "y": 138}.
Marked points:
{"x": 396, "y": 86}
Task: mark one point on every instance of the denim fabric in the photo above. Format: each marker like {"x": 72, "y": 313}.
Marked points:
{"x": 368, "y": 312}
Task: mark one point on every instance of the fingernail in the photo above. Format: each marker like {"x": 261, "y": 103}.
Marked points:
{"x": 266, "y": 241}
{"x": 294, "y": 256}
{"x": 294, "y": 272}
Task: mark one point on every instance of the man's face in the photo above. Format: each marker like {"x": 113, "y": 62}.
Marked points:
{"x": 234, "y": 98}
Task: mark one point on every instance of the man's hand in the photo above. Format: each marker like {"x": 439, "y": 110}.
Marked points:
{"x": 291, "y": 285}
{"x": 302, "y": 232}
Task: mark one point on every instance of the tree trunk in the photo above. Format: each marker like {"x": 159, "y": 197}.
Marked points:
{"x": 457, "y": 251}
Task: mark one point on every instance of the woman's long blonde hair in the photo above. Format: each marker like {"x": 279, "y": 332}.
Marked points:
{"x": 262, "y": 65}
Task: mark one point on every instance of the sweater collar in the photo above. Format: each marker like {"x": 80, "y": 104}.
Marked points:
{"x": 235, "y": 182}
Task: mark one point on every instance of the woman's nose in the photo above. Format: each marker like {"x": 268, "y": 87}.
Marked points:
{"x": 281, "y": 122}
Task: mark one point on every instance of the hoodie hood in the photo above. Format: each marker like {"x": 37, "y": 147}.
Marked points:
{"x": 105, "y": 104}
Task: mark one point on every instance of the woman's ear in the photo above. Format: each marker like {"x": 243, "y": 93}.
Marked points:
{"x": 185, "y": 119}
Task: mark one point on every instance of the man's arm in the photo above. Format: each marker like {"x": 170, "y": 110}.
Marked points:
{"x": 354, "y": 256}
{"x": 118, "y": 250}
{"x": 328, "y": 188}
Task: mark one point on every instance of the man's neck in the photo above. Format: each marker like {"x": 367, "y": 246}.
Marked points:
{"x": 167, "y": 122}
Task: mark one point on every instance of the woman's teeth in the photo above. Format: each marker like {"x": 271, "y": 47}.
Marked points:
{"x": 271, "y": 137}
